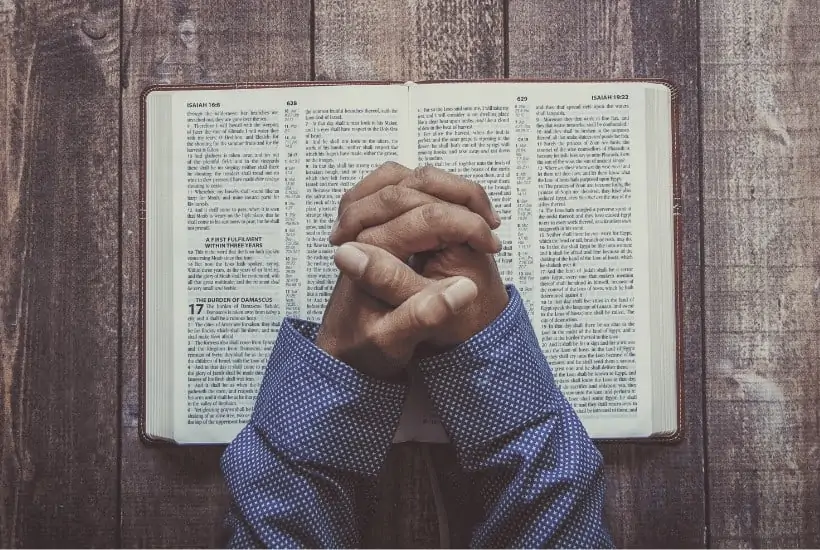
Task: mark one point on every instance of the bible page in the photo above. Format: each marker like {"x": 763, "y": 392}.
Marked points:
{"x": 564, "y": 166}
{"x": 258, "y": 174}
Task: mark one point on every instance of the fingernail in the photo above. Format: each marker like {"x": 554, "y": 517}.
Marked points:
{"x": 497, "y": 242}
{"x": 351, "y": 260}
{"x": 333, "y": 229}
{"x": 460, "y": 293}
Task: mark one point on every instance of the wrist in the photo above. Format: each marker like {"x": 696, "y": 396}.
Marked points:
{"x": 324, "y": 342}
{"x": 371, "y": 368}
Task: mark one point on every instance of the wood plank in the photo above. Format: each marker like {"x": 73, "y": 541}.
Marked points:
{"x": 761, "y": 119}
{"x": 176, "y": 496}
{"x": 59, "y": 112}
{"x": 403, "y": 496}
{"x": 424, "y": 39}
{"x": 654, "y": 493}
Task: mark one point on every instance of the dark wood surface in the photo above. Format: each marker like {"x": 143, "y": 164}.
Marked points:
{"x": 72, "y": 471}
{"x": 59, "y": 273}
{"x": 761, "y": 180}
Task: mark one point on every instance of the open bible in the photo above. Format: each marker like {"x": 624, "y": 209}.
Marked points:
{"x": 241, "y": 186}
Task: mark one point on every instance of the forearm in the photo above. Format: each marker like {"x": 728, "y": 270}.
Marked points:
{"x": 539, "y": 475}
{"x": 319, "y": 429}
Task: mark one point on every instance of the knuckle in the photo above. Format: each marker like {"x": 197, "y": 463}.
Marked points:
{"x": 411, "y": 181}
{"x": 391, "y": 196}
{"x": 434, "y": 214}
{"x": 423, "y": 173}
{"x": 391, "y": 169}
{"x": 386, "y": 274}
{"x": 427, "y": 314}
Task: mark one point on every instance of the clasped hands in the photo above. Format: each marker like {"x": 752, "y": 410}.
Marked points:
{"x": 417, "y": 275}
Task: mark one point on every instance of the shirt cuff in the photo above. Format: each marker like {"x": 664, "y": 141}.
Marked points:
{"x": 315, "y": 408}
{"x": 496, "y": 382}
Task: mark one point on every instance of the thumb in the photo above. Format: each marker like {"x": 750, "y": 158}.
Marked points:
{"x": 425, "y": 312}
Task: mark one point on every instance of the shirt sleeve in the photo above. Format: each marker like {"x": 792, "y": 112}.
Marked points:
{"x": 538, "y": 474}
{"x": 319, "y": 430}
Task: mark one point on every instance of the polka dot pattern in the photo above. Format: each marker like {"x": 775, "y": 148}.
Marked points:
{"x": 539, "y": 475}
{"x": 321, "y": 430}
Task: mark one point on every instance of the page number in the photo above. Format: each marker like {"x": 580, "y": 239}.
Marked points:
{"x": 521, "y": 98}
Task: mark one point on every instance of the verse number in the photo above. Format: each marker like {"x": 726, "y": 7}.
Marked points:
{"x": 521, "y": 98}
{"x": 195, "y": 308}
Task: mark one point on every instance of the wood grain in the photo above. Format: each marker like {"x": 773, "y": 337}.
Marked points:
{"x": 62, "y": 64}
{"x": 176, "y": 496}
{"x": 761, "y": 119}
{"x": 654, "y": 493}
{"x": 418, "y": 40}
{"x": 59, "y": 107}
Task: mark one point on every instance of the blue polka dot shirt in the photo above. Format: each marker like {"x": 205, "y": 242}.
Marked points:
{"x": 320, "y": 431}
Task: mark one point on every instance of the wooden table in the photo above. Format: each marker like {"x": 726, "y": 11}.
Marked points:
{"x": 73, "y": 472}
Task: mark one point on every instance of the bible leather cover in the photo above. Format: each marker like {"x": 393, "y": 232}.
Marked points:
{"x": 677, "y": 206}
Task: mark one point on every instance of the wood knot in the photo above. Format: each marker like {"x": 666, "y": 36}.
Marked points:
{"x": 94, "y": 27}
{"x": 187, "y": 33}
